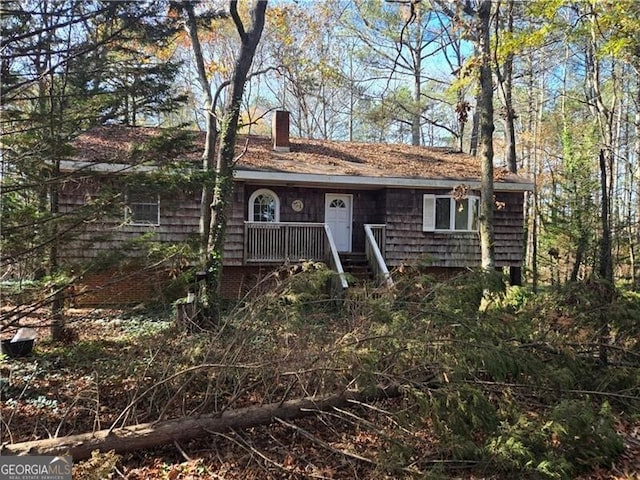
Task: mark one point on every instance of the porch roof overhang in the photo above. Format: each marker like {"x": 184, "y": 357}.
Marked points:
{"x": 370, "y": 182}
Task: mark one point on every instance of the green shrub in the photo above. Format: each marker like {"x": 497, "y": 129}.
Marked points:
{"x": 586, "y": 437}
{"x": 571, "y": 438}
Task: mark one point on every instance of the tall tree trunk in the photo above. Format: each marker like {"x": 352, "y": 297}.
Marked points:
{"x": 217, "y": 191}
{"x": 47, "y": 104}
{"x": 462, "y": 111}
{"x": 528, "y": 162}
{"x": 605, "y": 268}
{"x": 604, "y": 116}
{"x": 505, "y": 79}
{"x": 535, "y": 210}
{"x": 208, "y": 156}
{"x": 487, "y": 245}
{"x": 228, "y": 134}
{"x": 416, "y": 52}
{"x": 416, "y": 117}
{"x": 636, "y": 241}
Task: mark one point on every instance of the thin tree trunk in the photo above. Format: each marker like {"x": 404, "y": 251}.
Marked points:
{"x": 605, "y": 265}
{"x": 636, "y": 241}
{"x": 604, "y": 116}
{"x": 208, "y": 156}
{"x": 462, "y": 119}
{"x": 535, "y": 212}
{"x": 57, "y": 302}
{"x": 47, "y": 92}
{"x": 580, "y": 251}
{"x": 416, "y": 118}
{"x": 528, "y": 162}
{"x": 505, "y": 78}
{"x": 475, "y": 127}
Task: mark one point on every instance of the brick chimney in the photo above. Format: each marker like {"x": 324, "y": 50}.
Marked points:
{"x": 280, "y": 131}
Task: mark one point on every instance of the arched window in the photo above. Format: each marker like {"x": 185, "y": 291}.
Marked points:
{"x": 264, "y": 206}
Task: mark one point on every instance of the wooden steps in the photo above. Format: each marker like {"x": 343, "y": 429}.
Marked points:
{"x": 356, "y": 265}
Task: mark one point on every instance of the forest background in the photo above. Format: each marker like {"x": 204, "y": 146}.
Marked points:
{"x": 567, "y": 113}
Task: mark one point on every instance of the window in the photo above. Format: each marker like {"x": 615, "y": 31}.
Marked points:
{"x": 445, "y": 213}
{"x": 142, "y": 209}
{"x": 264, "y": 206}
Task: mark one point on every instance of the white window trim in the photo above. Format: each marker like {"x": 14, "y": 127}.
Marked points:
{"x": 128, "y": 214}
{"x": 429, "y": 214}
{"x": 252, "y": 198}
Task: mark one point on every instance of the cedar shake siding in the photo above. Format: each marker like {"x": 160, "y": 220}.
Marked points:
{"x": 408, "y": 244}
{"x": 233, "y": 251}
{"x": 399, "y": 209}
{"x": 109, "y": 233}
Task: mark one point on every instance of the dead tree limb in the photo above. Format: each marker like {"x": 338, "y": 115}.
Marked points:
{"x": 148, "y": 435}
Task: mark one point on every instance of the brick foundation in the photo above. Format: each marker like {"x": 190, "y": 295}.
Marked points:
{"x": 120, "y": 287}
{"x": 132, "y": 286}
{"x": 238, "y": 281}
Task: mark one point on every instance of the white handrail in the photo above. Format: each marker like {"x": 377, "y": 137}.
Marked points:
{"x": 382, "y": 272}
{"x": 333, "y": 252}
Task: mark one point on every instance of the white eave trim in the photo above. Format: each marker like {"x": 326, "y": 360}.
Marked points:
{"x": 104, "y": 167}
{"x": 312, "y": 179}
{"x": 308, "y": 179}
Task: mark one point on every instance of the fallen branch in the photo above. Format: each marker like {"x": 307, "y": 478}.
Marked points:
{"x": 148, "y": 435}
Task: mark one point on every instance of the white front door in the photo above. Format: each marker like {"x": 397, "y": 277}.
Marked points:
{"x": 338, "y": 214}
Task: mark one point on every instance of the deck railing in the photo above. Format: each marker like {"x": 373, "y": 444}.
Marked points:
{"x": 379, "y": 234}
{"x": 282, "y": 242}
{"x": 374, "y": 246}
{"x": 279, "y": 242}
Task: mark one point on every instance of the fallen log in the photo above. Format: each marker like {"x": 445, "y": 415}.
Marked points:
{"x": 148, "y": 435}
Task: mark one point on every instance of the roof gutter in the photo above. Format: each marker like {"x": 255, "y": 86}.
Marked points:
{"x": 361, "y": 181}
{"x": 311, "y": 179}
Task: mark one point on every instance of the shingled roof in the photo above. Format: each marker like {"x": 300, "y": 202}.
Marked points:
{"x": 116, "y": 144}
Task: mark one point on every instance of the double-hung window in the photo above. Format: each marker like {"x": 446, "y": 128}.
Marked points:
{"x": 142, "y": 209}
{"x": 448, "y": 214}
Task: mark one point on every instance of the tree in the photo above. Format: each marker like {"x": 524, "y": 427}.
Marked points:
{"x": 483, "y": 13}
{"x": 478, "y": 25}
{"x": 314, "y": 77}
{"x": 505, "y": 82}
{"x": 215, "y": 203}
{"x": 43, "y": 119}
{"x": 400, "y": 39}
{"x": 55, "y": 68}
{"x": 619, "y": 33}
